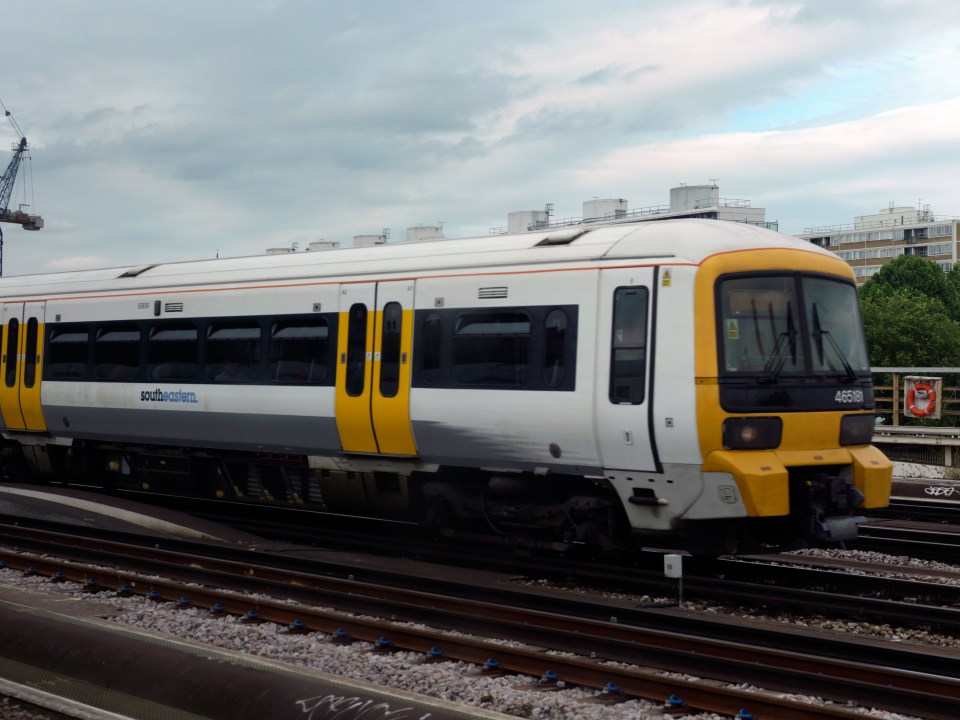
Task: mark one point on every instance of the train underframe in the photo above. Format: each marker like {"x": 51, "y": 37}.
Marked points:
{"x": 551, "y": 511}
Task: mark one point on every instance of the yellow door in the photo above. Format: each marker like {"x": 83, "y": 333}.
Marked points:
{"x": 20, "y": 364}
{"x": 393, "y": 343}
{"x": 355, "y": 367}
{"x": 374, "y": 345}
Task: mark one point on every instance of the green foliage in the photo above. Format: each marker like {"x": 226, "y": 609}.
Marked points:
{"x": 918, "y": 275}
{"x": 953, "y": 277}
{"x": 906, "y": 328}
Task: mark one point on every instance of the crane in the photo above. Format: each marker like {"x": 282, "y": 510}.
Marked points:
{"x": 18, "y": 216}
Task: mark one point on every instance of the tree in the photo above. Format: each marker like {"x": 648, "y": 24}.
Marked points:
{"x": 918, "y": 275}
{"x": 906, "y": 328}
{"x": 953, "y": 277}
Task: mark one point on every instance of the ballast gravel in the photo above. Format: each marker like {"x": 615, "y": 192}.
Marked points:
{"x": 452, "y": 681}
{"x": 10, "y": 709}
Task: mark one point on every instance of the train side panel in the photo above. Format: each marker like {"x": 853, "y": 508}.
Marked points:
{"x": 476, "y": 414}
{"x": 159, "y": 409}
{"x": 646, "y": 416}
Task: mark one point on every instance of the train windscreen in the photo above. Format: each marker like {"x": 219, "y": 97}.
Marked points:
{"x": 775, "y": 326}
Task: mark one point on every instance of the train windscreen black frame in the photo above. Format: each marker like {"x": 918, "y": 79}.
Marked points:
{"x": 790, "y": 342}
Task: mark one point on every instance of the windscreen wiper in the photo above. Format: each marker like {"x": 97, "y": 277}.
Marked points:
{"x": 778, "y": 358}
{"x": 818, "y": 335}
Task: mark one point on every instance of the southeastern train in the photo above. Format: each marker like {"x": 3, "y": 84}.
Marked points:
{"x": 680, "y": 381}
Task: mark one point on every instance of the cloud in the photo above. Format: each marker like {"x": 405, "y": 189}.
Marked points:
{"x": 180, "y": 130}
{"x": 69, "y": 264}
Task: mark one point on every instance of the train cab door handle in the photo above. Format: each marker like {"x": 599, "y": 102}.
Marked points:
{"x": 403, "y": 358}
{"x": 343, "y": 358}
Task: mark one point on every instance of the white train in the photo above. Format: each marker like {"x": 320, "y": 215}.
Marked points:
{"x": 692, "y": 380}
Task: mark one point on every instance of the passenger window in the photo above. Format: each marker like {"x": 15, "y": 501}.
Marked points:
{"x": 629, "y": 346}
{"x": 430, "y": 349}
{"x": 356, "y": 349}
{"x": 390, "y": 349}
{"x": 172, "y": 352}
{"x": 10, "y": 355}
{"x": 67, "y": 353}
{"x": 30, "y": 354}
{"x": 491, "y": 348}
{"x": 117, "y": 352}
{"x": 554, "y": 348}
{"x": 298, "y": 351}
{"x": 233, "y": 352}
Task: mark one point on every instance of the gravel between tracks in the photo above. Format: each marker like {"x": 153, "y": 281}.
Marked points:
{"x": 453, "y": 681}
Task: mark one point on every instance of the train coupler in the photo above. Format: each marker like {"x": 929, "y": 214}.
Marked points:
{"x": 837, "y": 529}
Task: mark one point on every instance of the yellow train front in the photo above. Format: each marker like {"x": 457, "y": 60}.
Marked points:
{"x": 784, "y": 398}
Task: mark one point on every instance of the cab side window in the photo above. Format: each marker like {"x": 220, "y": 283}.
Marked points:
{"x": 628, "y": 353}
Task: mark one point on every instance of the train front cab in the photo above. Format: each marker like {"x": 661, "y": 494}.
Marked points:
{"x": 784, "y": 395}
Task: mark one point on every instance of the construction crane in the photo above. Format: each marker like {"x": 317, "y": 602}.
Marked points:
{"x": 18, "y": 216}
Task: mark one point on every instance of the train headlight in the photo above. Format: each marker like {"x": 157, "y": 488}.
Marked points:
{"x": 754, "y": 433}
{"x": 856, "y": 429}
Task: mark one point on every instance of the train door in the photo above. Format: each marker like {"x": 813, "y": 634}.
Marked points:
{"x": 20, "y": 364}
{"x": 624, "y": 369}
{"x": 373, "y": 368}
{"x": 393, "y": 338}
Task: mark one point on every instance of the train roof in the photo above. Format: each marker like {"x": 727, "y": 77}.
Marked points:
{"x": 683, "y": 241}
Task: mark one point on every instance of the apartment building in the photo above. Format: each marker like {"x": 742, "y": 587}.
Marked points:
{"x": 872, "y": 241}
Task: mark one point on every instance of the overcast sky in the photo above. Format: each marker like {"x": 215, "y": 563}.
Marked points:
{"x": 180, "y": 130}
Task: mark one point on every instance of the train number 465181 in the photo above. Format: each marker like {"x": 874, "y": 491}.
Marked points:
{"x": 849, "y": 396}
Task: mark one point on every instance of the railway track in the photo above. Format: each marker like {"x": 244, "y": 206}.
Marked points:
{"x": 598, "y": 631}
{"x": 921, "y": 510}
{"x": 930, "y": 541}
{"x": 909, "y": 597}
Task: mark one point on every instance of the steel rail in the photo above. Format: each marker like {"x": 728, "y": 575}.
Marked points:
{"x": 611, "y": 640}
